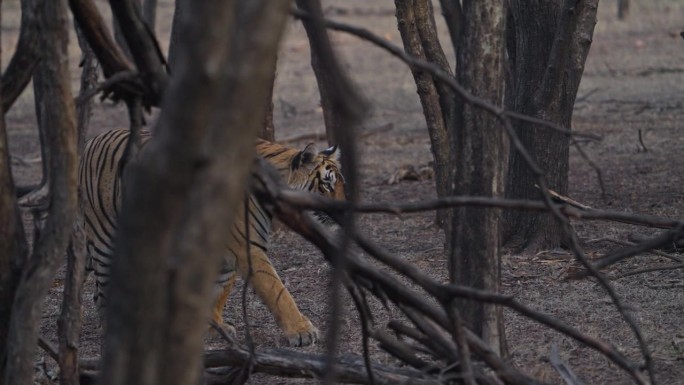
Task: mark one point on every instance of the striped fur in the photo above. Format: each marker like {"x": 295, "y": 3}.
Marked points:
{"x": 100, "y": 180}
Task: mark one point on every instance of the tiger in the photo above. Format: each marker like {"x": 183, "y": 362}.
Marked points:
{"x": 100, "y": 179}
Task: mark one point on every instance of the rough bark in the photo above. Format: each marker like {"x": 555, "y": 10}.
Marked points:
{"x": 177, "y": 193}
{"x": 550, "y": 38}
{"x": 418, "y": 32}
{"x": 479, "y": 153}
{"x": 39, "y": 270}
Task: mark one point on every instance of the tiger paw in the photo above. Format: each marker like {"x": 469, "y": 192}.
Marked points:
{"x": 225, "y": 330}
{"x": 305, "y": 335}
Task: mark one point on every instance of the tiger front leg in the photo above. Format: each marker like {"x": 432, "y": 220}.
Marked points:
{"x": 297, "y": 328}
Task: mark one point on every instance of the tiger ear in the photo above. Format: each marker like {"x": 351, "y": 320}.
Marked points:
{"x": 305, "y": 156}
{"x": 333, "y": 152}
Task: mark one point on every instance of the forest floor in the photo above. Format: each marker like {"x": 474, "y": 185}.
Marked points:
{"x": 632, "y": 87}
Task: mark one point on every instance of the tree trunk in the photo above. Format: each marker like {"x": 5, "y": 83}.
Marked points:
{"x": 26, "y": 57}
{"x": 480, "y": 147}
{"x": 550, "y": 38}
{"x": 322, "y": 76}
{"x": 13, "y": 247}
{"x": 177, "y": 193}
{"x": 50, "y": 246}
{"x": 418, "y": 32}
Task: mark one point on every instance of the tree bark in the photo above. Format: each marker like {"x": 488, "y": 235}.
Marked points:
{"x": 322, "y": 76}
{"x": 479, "y": 152}
{"x": 39, "y": 270}
{"x": 177, "y": 193}
{"x": 418, "y": 32}
{"x": 550, "y": 38}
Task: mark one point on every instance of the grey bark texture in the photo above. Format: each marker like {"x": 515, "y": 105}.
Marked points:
{"x": 480, "y": 147}
{"x": 550, "y": 38}
{"x": 419, "y": 35}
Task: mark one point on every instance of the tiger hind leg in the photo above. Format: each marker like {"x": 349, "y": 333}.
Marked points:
{"x": 217, "y": 312}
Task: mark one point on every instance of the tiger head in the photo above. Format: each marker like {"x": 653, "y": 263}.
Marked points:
{"x": 318, "y": 172}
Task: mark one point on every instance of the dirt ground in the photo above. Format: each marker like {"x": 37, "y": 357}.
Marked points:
{"x": 632, "y": 88}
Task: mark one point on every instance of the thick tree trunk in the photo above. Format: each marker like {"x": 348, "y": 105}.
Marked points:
{"x": 50, "y": 246}
{"x": 550, "y": 38}
{"x": 480, "y": 148}
{"x": 177, "y": 193}
{"x": 418, "y": 32}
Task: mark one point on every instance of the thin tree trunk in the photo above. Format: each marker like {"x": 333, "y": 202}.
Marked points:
{"x": 26, "y": 57}
{"x": 179, "y": 12}
{"x": 69, "y": 322}
{"x": 322, "y": 75}
{"x": 451, "y": 10}
{"x": 13, "y": 247}
{"x": 550, "y": 38}
{"x": 480, "y": 148}
{"x": 419, "y": 35}
{"x": 39, "y": 270}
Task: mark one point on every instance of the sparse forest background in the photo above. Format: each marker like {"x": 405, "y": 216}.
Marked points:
{"x": 630, "y": 96}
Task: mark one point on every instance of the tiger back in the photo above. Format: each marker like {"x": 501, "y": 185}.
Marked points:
{"x": 100, "y": 179}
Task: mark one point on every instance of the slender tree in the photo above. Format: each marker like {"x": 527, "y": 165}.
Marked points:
{"x": 419, "y": 34}
{"x": 479, "y": 157}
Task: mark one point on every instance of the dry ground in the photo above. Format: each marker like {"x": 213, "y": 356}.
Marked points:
{"x": 633, "y": 84}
